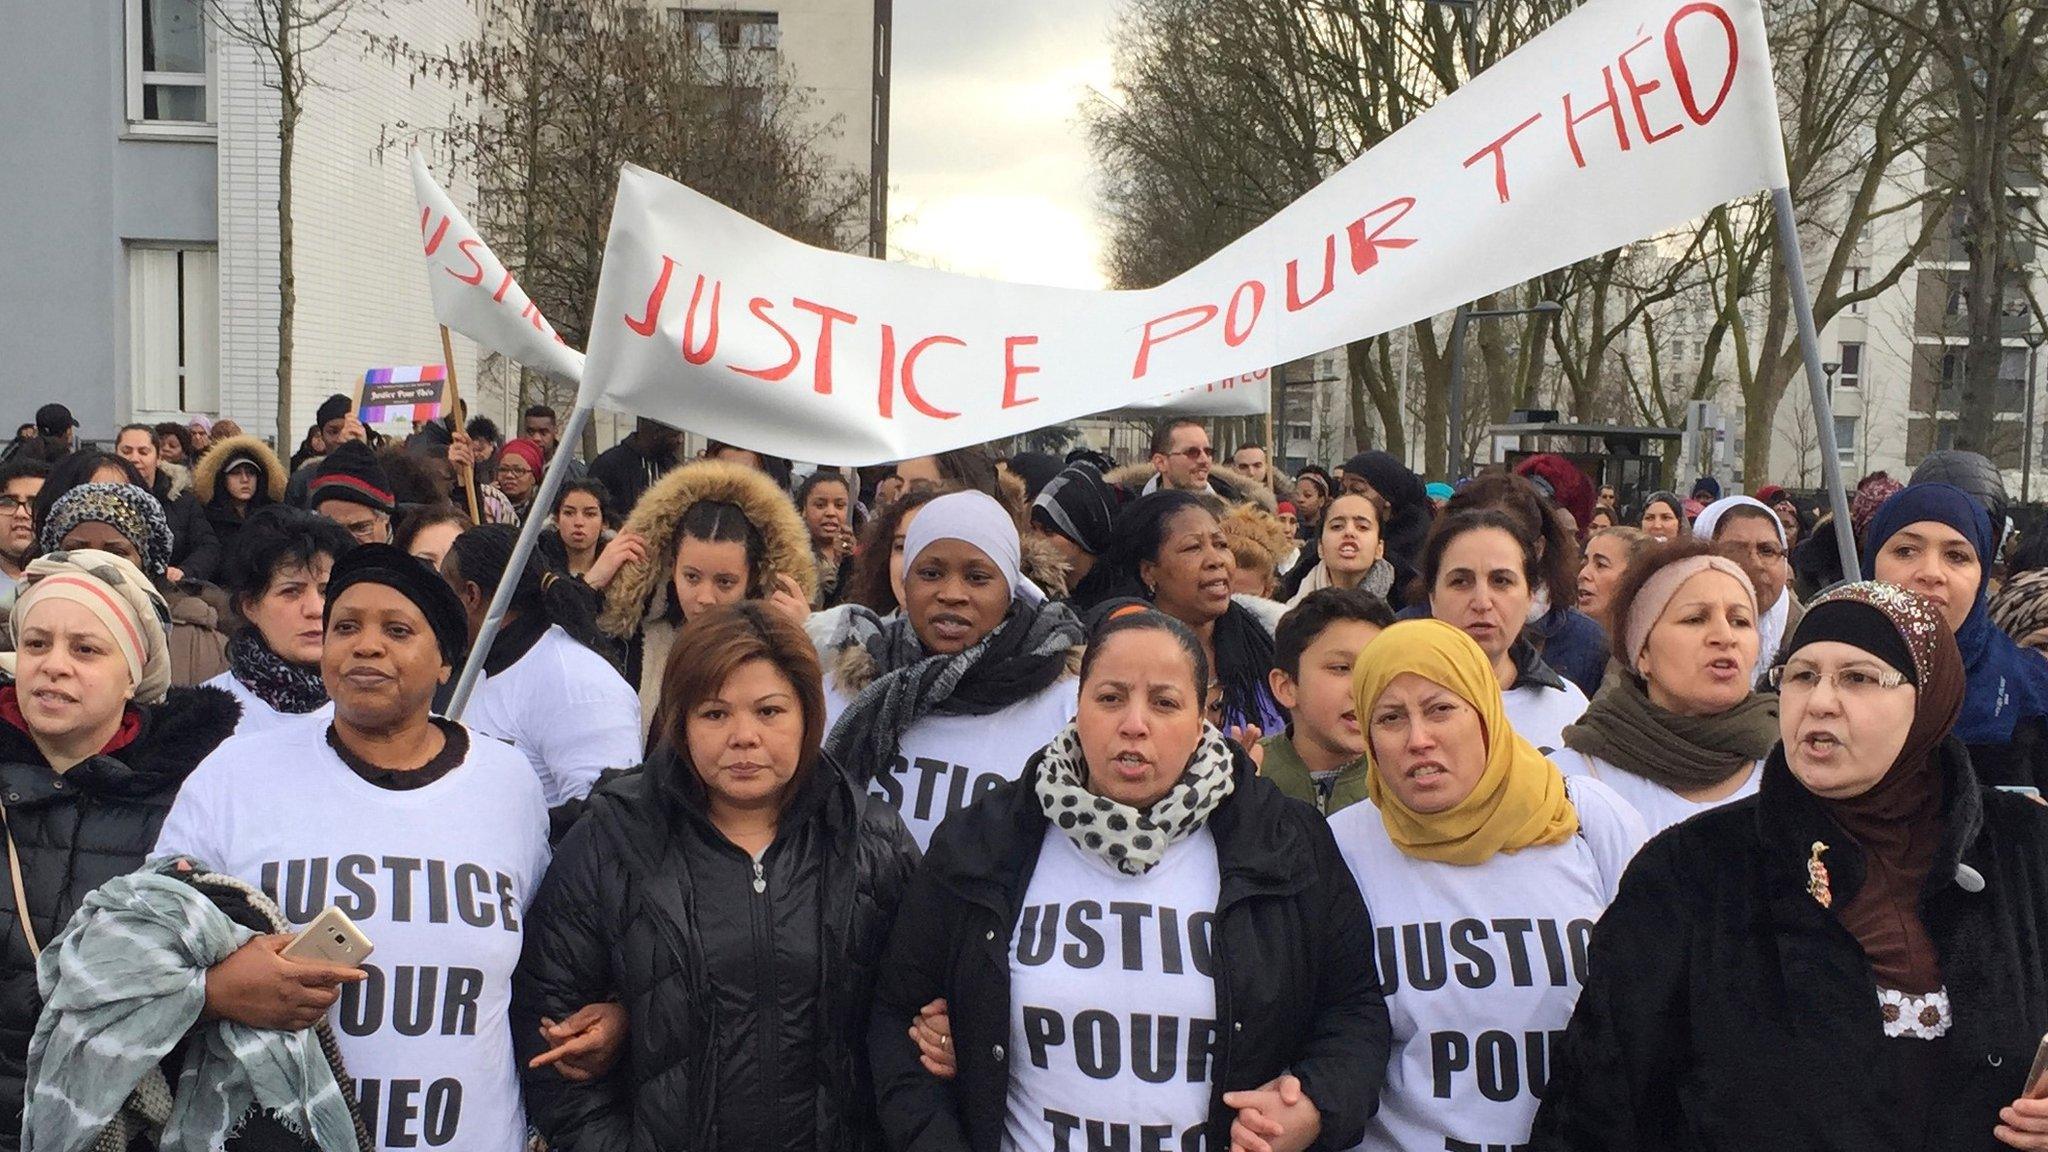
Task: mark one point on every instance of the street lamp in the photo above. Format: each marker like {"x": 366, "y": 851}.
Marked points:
{"x": 2034, "y": 338}
{"x": 1455, "y": 441}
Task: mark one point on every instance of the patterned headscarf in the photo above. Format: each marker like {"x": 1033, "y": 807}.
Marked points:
{"x": 131, "y": 511}
{"x": 1870, "y": 496}
{"x": 2021, "y": 606}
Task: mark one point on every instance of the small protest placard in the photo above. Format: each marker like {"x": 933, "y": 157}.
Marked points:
{"x": 414, "y": 392}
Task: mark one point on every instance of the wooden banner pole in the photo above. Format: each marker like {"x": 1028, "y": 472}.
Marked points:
{"x": 466, "y": 474}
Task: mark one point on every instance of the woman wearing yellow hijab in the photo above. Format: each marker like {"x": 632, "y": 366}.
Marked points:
{"x": 1484, "y": 869}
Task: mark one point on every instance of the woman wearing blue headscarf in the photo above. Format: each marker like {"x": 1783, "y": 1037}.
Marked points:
{"x": 1936, "y": 539}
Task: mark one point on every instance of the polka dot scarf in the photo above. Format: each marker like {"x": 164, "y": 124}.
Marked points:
{"x": 1131, "y": 840}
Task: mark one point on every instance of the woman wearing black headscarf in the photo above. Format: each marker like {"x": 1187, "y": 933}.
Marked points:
{"x": 1845, "y": 961}
{"x": 1663, "y": 517}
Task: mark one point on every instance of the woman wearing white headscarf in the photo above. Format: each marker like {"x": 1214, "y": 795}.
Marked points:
{"x": 1749, "y": 531}
{"x": 932, "y": 708}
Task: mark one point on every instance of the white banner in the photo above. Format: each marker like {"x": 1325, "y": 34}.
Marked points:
{"x": 475, "y": 294}
{"x": 1624, "y": 119}
{"x": 1245, "y": 395}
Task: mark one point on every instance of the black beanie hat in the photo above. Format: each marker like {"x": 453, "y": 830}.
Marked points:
{"x": 396, "y": 569}
{"x": 333, "y": 408}
{"x": 351, "y": 472}
{"x": 1858, "y": 625}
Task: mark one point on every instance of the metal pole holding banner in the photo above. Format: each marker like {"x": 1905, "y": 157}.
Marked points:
{"x": 522, "y": 553}
{"x": 1816, "y": 379}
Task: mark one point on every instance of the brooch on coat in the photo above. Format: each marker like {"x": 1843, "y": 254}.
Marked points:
{"x": 1817, "y": 878}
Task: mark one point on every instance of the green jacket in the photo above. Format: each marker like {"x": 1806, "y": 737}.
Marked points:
{"x": 1284, "y": 767}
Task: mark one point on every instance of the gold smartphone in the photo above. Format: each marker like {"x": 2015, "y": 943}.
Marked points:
{"x": 2037, "y": 1076}
{"x": 332, "y": 938}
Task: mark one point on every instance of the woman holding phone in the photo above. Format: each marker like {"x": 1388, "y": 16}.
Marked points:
{"x": 1847, "y": 960}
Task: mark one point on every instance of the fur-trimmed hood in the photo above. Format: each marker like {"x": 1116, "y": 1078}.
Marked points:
{"x": 206, "y": 473}
{"x": 175, "y": 479}
{"x": 640, "y": 591}
{"x": 1241, "y": 488}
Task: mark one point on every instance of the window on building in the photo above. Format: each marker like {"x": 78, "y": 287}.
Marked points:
{"x": 729, "y": 29}
{"x": 1851, "y": 375}
{"x": 563, "y": 18}
{"x": 170, "y": 66}
{"x": 1858, "y": 277}
{"x": 174, "y": 330}
{"x": 1959, "y": 302}
{"x": 1845, "y": 439}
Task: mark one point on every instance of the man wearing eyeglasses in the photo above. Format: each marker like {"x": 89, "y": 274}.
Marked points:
{"x": 1752, "y": 536}
{"x": 1181, "y": 456}
{"x": 20, "y": 481}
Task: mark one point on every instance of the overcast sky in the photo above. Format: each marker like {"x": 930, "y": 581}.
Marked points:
{"x": 989, "y": 172}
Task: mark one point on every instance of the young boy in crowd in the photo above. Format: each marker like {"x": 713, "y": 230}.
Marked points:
{"x": 1320, "y": 758}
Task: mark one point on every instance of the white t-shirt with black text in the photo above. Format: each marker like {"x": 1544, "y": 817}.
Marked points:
{"x": 437, "y": 877}
{"x": 944, "y": 763}
{"x": 1540, "y": 714}
{"x": 1659, "y": 806}
{"x": 1481, "y": 966}
{"x": 1113, "y": 1028}
{"x": 566, "y": 709}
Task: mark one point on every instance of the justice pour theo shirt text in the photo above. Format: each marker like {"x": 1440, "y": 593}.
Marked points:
{"x": 1113, "y": 1025}
{"x": 438, "y": 878}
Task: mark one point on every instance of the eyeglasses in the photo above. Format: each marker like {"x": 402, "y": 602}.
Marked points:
{"x": 365, "y": 531}
{"x": 514, "y": 470}
{"x": 1798, "y": 679}
{"x": 12, "y": 504}
{"x": 1195, "y": 454}
{"x": 1761, "y": 553}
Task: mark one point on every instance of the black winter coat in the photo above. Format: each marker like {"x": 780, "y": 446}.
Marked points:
{"x": 2021, "y": 762}
{"x": 1725, "y": 1009}
{"x": 1296, "y": 990}
{"x": 195, "y": 550}
{"x": 648, "y": 905}
{"x": 79, "y": 830}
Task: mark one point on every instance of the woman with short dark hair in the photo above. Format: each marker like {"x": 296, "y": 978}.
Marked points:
{"x": 1480, "y": 570}
{"x": 277, "y": 571}
{"x": 733, "y": 896}
{"x": 1169, "y": 548}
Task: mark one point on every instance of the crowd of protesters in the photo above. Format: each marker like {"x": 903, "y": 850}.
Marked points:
{"x": 1008, "y": 804}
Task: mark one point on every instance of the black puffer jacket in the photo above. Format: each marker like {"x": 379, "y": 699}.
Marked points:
{"x": 1725, "y": 1009}
{"x": 78, "y": 831}
{"x": 1296, "y": 991}
{"x": 748, "y": 1008}
{"x": 195, "y": 550}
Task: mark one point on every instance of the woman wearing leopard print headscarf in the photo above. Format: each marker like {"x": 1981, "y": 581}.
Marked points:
{"x": 1173, "y": 948}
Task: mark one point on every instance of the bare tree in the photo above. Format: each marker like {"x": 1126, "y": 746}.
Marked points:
{"x": 1801, "y": 433}
{"x": 564, "y": 94}
{"x": 1991, "y": 88}
{"x": 285, "y": 36}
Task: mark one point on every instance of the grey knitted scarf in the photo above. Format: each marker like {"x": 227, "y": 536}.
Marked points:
{"x": 1026, "y": 654}
{"x": 123, "y": 983}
